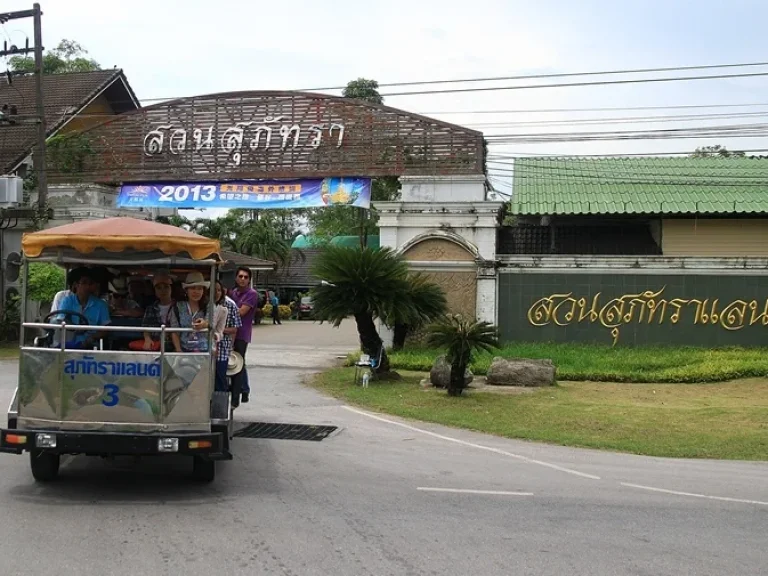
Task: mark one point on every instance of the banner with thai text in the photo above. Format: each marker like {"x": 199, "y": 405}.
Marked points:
{"x": 252, "y": 194}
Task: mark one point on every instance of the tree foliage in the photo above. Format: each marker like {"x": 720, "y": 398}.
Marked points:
{"x": 68, "y": 56}
{"x": 461, "y": 338}
{"x": 363, "y": 89}
{"x": 266, "y": 235}
{"x": 363, "y": 283}
{"x": 45, "y": 280}
{"x": 716, "y": 150}
{"x": 421, "y": 302}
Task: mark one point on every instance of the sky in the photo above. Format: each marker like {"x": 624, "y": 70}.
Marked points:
{"x": 171, "y": 48}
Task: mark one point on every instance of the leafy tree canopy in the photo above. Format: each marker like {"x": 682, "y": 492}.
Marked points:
{"x": 716, "y": 150}
{"x": 68, "y": 56}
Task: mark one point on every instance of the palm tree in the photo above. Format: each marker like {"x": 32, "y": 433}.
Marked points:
{"x": 461, "y": 338}
{"x": 238, "y": 232}
{"x": 364, "y": 283}
{"x": 422, "y": 302}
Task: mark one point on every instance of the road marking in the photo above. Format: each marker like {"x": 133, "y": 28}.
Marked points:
{"x": 467, "y": 491}
{"x": 473, "y": 445}
{"x": 691, "y": 494}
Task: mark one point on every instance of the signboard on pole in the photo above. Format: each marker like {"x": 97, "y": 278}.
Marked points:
{"x": 251, "y": 194}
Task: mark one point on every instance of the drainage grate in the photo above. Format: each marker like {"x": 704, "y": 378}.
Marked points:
{"x": 277, "y": 431}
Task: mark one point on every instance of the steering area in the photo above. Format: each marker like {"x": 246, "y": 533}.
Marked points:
{"x": 68, "y": 315}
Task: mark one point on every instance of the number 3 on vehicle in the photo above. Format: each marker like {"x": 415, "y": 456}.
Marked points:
{"x": 111, "y": 398}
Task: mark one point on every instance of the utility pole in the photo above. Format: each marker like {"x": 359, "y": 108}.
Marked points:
{"x": 39, "y": 159}
{"x": 39, "y": 155}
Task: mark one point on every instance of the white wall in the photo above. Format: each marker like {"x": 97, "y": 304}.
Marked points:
{"x": 455, "y": 204}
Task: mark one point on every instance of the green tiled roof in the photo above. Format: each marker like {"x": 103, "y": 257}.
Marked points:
{"x": 641, "y": 185}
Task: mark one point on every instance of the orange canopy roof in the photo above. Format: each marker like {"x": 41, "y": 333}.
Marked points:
{"x": 118, "y": 235}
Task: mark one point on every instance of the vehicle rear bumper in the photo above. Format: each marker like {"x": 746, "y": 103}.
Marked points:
{"x": 111, "y": 444}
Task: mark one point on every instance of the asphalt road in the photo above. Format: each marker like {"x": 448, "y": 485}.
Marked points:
{"x": 381, "y": 496}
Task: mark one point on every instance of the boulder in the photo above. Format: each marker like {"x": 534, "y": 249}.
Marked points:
{"x": 521, "y": 372}
{"x": 440, "y": 375}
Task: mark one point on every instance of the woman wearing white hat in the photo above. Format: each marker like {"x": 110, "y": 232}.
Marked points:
{"x": 193, "y": 313}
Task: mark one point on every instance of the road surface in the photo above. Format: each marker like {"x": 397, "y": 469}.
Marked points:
{"x": 380, "y": 496}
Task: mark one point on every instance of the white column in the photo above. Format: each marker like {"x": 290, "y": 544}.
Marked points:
{"x": 486, "y": 300}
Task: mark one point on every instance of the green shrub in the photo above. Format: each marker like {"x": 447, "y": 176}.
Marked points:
{"x": 45, "y": 280}
{"x": 285, "y": 311}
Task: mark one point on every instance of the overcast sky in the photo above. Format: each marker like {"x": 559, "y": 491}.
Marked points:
{"x": 171, "y": 48}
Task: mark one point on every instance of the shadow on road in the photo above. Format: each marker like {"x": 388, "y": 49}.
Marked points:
{"x": 149, "y": 481}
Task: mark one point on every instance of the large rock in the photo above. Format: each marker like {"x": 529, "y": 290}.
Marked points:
{"x": 440, "y": 375}
{"x": 521, "y": 372}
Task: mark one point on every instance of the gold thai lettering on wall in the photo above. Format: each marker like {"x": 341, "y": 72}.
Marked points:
{"x": 645, "y": 308}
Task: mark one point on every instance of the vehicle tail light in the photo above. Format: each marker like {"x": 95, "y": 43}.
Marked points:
{"x": 15, "y": 439}
{"x": 197, "y": 444}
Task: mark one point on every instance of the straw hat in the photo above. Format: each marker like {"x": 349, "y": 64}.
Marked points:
{"x": 118, "y": 285}
{"x": 235, "y": 363}
{"x": 196, "y": 279}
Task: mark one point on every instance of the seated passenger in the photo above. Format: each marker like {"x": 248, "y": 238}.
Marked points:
{"x": 61, "y": 294}
{"x": 140, "y": 291}
{"x": 119, "y": 302}
{"x": 94, "y": 309}
{"x": 160, "y": 311}
{"x": 193, "y": 313}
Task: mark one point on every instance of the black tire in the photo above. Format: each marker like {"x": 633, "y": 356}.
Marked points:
{"x": 203, "y": 469}
{"x": 44, "y": 465}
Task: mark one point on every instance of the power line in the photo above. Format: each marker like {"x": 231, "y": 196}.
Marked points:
{"x": 618, "y": 155}
{"x": 555, "y": 75}
{"x": 608, "y": 109}
{"x": 733, "y": 131}
{"x": 621, "y": 120}
{"x": 578, "y": 84}
{"x": 561, "y": 85}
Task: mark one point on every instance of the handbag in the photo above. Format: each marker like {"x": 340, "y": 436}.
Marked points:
{"x": 138, "y": 346}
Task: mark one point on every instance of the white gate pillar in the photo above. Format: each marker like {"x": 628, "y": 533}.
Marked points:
{"x": 438, "y": 206}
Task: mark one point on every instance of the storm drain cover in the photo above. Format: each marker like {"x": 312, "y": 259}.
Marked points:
{"x": 277, "y": 431}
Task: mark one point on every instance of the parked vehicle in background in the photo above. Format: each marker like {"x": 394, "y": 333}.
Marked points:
{"x": 306, "y": 308}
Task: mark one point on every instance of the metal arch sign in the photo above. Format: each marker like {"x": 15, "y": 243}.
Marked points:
{"x": 252, "y": 194}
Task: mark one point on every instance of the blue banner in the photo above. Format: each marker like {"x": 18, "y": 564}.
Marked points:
{"x": 253, "y": 194}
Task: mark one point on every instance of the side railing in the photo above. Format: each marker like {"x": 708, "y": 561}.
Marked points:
{"x": 82, "y": 373}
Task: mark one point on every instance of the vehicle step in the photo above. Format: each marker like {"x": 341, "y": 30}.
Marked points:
{"x": 221, "y": 456}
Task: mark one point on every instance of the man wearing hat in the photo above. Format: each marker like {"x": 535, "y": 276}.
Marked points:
{"x": 120, "y": 303}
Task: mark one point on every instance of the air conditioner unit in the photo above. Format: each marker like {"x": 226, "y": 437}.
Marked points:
{"x": 11, "y": 190}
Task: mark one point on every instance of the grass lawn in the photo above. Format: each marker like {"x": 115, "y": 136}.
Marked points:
{"x": 724, "y": 421}
{"x": 622, "y": 364}
{"x": 9, "y": 350}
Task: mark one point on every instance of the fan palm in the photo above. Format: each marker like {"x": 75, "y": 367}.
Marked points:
{"x": 461, "y": 339}
{"x": 423, "y": 301}
{"x": 363, "y": 283}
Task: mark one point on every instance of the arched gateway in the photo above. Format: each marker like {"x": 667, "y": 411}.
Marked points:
{"x": 271, "y": 149}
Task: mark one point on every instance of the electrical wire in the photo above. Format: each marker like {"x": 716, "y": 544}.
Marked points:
{"x": 555, "y": 75}
{"x": 576, "y": 84}
{"x": 556, "y": 85}
{"x": 617, "y": 155}
{"x": 604, "y": 109}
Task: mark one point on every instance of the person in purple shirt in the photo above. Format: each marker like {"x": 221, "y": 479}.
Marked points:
{"x": 247, "y": 300}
